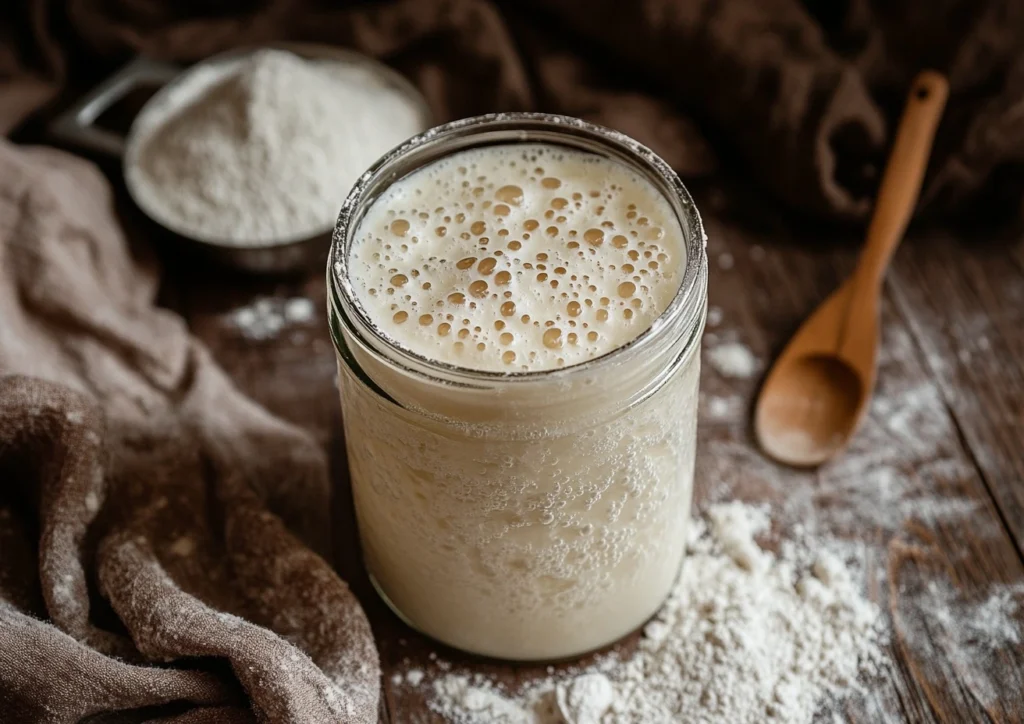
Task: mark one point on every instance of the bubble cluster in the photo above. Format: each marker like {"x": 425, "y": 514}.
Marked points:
{"x": 517, "y": 257}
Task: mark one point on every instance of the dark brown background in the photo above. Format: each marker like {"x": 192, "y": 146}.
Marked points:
{"x": 801, "y": 96}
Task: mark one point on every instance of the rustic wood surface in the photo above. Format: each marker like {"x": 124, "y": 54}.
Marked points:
{"x": 931, "y": 491}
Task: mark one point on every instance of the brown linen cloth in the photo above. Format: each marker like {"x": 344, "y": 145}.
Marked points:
{"x": 148, "y": 510}
{"x": 804, "y": 94}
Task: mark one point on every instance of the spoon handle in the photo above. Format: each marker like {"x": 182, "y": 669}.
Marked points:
{"x": 901, "y": 183}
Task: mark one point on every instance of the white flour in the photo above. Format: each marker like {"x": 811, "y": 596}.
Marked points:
{"x": 733, "y": 359}
{"x": 746, "y": 637}
{"x": 267, "y": 148}
{"x": 266, "y": 317}
{"x": 975, "y": 628}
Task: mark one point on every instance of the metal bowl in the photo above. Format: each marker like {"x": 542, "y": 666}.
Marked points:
{"x": 77, "y": 126}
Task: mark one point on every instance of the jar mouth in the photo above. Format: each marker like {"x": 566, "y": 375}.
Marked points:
{"x": 503, "y": 129}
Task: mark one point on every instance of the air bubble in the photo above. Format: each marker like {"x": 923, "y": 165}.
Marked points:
{"x": 444, "y": 328}
{"x": 478, "y": 227}
{"x": 508, "y": 309}
{"x": 457, "y": 298}
{"x": 400, "y": 317}
{"x": 508, "y": 357}
{"x": 502, "y": 278}
{"x": 512, "y": 195}
{"x": 627, "y": 289}
{"x": 550, "y": 183}
{"x": 399, "y": 227}
{"x": 399, "y": 280}
{"x": 574, "y": 309}
{"x": 466, "y": 263}
{"x": 594, "y": 237}
{"x": 507, "y": 338}
{"x": 552, "y": 338}
{"x": 487, "y": 265}
{"x": 478, "y": 289}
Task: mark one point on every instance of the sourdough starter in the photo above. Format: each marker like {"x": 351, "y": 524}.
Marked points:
{"x": 541, "y": 513}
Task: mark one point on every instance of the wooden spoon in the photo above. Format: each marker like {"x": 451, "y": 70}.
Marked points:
{"x": 819, "y": 389}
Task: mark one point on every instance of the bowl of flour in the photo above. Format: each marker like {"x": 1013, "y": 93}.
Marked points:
{"x": 251, "y": 153}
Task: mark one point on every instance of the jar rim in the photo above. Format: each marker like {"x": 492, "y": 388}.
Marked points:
{"x": 503, "y": 129}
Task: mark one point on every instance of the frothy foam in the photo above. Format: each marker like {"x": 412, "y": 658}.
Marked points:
{"x": 517, "y": 257}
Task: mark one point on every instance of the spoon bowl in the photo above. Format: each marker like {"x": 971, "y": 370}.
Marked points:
{"x": 810, "y": 412}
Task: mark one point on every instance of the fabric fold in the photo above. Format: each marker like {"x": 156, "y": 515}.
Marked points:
{"x": 153, "y": 519}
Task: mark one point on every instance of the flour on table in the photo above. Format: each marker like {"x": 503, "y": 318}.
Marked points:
{"x": 983, "y": 626}
{"x": 268, "y": 316}
{"x": 733, "y": 359}
{"x": 746, "y": 637}
{"x": 720, "y": 408}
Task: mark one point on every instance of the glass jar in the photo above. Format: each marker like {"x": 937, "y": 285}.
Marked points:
{"x": 532, "y": 515}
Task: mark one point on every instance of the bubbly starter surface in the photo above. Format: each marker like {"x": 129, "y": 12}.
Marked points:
{"x": 517, "y": 258}
{"x": 550, "y": 533}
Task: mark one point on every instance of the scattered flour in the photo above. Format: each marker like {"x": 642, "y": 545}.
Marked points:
{"x": 733, "y": 359}
{"x": 267, "y": 316}
{"x": 265, "y": 149}
{"x": 981, "y": 627}
{"x": 719, "y": 408}
{"x": 747, "y": 636}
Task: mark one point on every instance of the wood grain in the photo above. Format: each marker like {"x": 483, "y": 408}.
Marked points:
{"x": 929, "y": 499}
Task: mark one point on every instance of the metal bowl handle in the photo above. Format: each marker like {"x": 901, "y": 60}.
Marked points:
{"x": 76, "y": 125}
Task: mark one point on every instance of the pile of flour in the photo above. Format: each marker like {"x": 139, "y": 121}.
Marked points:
{"x": 266, "y": 148}
{"x": 747, "y": 636}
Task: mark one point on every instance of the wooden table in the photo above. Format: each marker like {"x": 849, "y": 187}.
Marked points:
{"x": 931, "y": 493}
